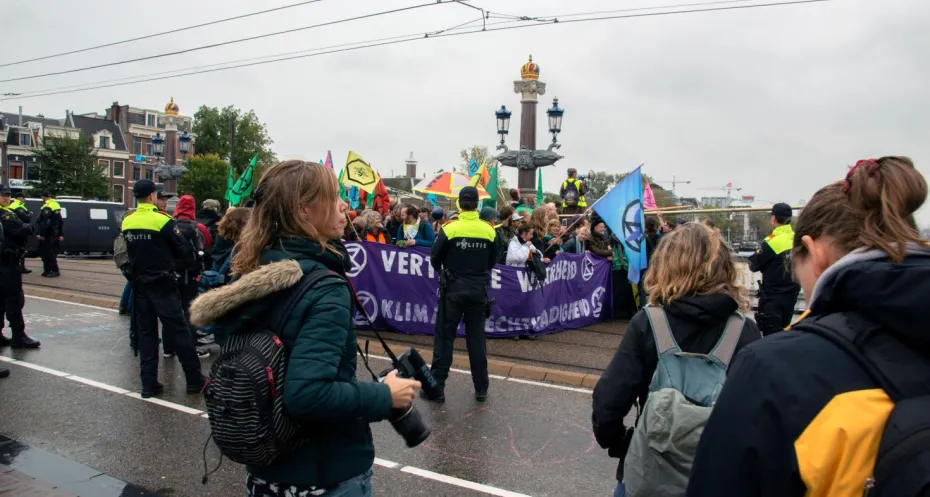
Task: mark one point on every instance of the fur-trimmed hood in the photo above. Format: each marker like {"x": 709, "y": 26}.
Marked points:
{"x": 264, "y": 281}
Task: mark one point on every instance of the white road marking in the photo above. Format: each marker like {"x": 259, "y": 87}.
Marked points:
{"x": 165, "y": 403}
{"x": 550, "y": 385}
{"x": 458, "y": 482}
{"x": 386, "y": 463}
{"x": 73, "y": 303}
{"x": 43, "y": 369}
{"x": 450, "y": 480}
{"x": 97, "y": 384}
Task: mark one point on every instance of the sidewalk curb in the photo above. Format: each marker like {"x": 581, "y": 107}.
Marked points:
{"x": 495, "y": 366}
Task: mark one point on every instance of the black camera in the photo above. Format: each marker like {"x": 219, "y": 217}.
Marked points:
{"x": 407, "y": 422}
{"x": 410, "y": 364}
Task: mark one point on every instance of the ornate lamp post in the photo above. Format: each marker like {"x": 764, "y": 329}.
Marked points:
{"x": 158, "y": 146}
{"x": 527, "y": 159}
{"x": 185, "y": 144}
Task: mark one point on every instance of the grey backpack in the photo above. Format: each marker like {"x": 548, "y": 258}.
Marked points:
{"x": 683, "y": 391}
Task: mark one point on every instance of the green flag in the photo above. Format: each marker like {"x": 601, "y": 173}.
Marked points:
{"x": 243, "y": 187}
{"x": 491, "y": 188}
{"x": 539, "y": 188}
{"x": 343, "y": 193}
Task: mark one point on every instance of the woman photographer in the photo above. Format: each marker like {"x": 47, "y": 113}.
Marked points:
{"x": 294, "y": 229}
{"x": 694, "y": 280}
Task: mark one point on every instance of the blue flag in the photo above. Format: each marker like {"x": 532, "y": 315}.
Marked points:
{"x": 472, "y": 167}
{"x": 354, "y": 199}
{"x": 431, "y": 198}
{"x": 622, "y": 211}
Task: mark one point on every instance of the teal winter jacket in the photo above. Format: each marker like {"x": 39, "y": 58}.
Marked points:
{"x": 320, "y": 389}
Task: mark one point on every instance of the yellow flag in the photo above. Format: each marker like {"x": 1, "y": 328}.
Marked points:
{"x": 358, "y": 173}
{"x": 481, "y": 176}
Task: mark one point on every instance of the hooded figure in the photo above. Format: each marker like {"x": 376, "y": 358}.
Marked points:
{"x": 209, "y": 216}
{"x": 186, "y": 210}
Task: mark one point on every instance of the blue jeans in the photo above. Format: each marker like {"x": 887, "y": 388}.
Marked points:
{"x": 125, "y": 301}
{"x": 620, "y": 491}
{"x": 359, "y": 486}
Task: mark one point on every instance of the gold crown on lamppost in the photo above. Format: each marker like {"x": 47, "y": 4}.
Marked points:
{"x": 530, "y": 70}
{"x": 172, "y": 108}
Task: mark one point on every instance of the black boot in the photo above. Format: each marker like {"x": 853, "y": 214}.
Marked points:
{"x": 24, "y": 342}
{"x": 4, "y": 341}
{"x": 148, "y": 392}
{"x": 4, "y": 372}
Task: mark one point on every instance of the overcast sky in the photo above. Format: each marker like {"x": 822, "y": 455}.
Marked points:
{"x": 776, "y": 100}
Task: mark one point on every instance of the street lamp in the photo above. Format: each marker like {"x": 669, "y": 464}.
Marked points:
{"x": 555, "y": 118}
{"x": 503, "y": 122}
{"x": 185, "y": 144}
{"x": 158, "y": 145}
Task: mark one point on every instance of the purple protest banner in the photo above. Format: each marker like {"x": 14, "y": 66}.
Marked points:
{"x": 400, "y": 292}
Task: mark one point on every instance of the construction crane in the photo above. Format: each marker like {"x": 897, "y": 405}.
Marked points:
{"x": 727, "y": 188}
{"x": 674, "y": 181}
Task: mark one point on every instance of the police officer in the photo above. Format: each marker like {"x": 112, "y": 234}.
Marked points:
{"x": 155, "y": 245}
{"x": 19, "y": 207}
{"x": 778, "y": 293}
{"x": 463, "y": 253}
{"x": 572, "y": 193}
{"x": 11, "y": 278}
{"x": 51, "y": 233}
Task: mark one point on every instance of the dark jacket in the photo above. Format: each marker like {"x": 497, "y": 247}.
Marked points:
{"x": 425, "y": 235}
{"x": 211, "y": 220}
{"x": 793, "y": 393}
{"x": 573, "y": 246}
{"x": 599, "y": 245}
{"x": 16, "y": 235}
{"x": 50, "y": 223}
{"x": 772, "y": 260}
{"x": 503, "y": 234}
{"x": 222, "y": 250}
{"x": 696, "y": 322}
{"x": 391, "y": 227}
{"x": 467, "y": 248}
{"x": 155, "y": 245}
{"x": 321, "y": 389}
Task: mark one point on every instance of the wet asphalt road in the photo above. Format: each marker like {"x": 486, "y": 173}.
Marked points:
{"x": 527, "y": 440}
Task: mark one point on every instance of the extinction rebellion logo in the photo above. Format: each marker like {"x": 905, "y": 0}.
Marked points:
{"x": 369, "y": 307}
{"x": 359, "y": 258}
{"x": 587, "y": 268}
{"x": 633, "y": 225}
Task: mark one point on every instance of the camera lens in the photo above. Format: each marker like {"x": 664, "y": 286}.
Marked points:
{"x": 408, "y": 423}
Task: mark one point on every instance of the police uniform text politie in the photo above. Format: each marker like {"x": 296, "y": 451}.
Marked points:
{"x": 155, "y": 245}
{"x": 463, "y": 253}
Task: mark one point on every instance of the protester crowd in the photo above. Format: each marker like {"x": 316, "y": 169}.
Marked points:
{"x": 719, "y": 409}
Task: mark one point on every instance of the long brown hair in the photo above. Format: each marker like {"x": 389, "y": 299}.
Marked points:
{"x": 540, "y": 222}
{"x": 692, "y": 260}
{"x": 232, "y": 223}
{"x": 282, "y": 191}
{"x": 872, "y": 208}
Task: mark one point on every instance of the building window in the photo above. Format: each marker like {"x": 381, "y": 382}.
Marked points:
{"x": 25, "y": 139}
{"x": 136, "y": 172}
{"x": 118, "y": 193}
{"x": 148, "y": 149}
{"x": 104, "y": 166}
{"x": 16, "y": 170}
{"x": 119, "y": 169}
{"x": 104, "y": 142}
{"x": 151, "y": 120}
{"x": 150, "y": 173}
{"x": 137, "y": 145}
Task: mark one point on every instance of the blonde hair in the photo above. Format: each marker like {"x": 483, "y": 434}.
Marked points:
{"x": 539, "y": 221}
{"x": 692, "y": 260}
{"x": 282, "y": 191}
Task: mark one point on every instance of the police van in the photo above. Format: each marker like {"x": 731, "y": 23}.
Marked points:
{"x": 89, "y": 225}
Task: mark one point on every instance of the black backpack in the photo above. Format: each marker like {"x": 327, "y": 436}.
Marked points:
{"x": 244, "y": 395}
{"x": 571, "y": 193}
{"x": 902, "y": 466}
{"x": 195, "y": 238}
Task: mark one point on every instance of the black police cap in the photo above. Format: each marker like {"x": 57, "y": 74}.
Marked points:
{"x": 469, "y": 194}
{"x": 781, "y": 210}
{"x": 5, "y": 190}
{"x": 143, "y": 188}
{"x": 46, "y": 194}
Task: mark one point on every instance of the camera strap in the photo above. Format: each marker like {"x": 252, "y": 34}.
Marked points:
{"x": 364, "y": 314}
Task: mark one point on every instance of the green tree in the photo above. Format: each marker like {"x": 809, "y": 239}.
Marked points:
{"x": 600, "y": 182}
{"x": 68, "y": 166}
{"x": 205, "y": 178}
{"x": 211, "y": 126}
{"x": 477, "y": 152}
